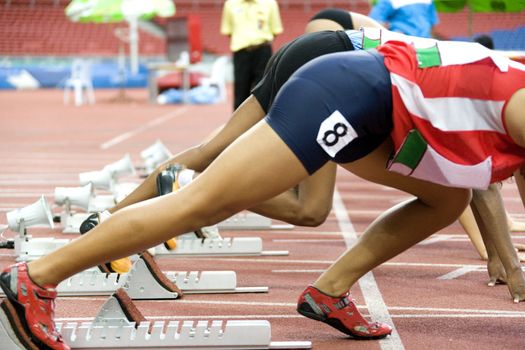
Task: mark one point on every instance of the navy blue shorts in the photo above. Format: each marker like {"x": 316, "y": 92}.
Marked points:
{"x": 292, "y": 56}
{"x": 336, "y": 107}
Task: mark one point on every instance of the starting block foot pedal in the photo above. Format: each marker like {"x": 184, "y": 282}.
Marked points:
{"x": 119, "y": 325}
{"x": 147, "y": 281}
{"x": 119, "y": 310}
{"x": 228, "y": 246}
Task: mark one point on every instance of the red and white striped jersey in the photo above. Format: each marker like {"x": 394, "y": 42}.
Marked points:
{"x": 448, "y": 104}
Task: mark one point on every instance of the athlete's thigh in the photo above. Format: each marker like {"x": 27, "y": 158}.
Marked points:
{"x": 316, "y": 192}
{"x": 245, "y": 116}
{"x": 373, "y": 168}
{"x": 255, "y": 167}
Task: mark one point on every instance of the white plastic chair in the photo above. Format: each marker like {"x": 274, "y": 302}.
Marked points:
{"x": 79, "y": 81}
{"x": 217, "y": 77}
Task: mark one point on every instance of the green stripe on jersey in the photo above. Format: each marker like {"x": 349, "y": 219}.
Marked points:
{"x": 412, "y": 150}
{"x": 370, "y": 43}
{"x": 428, "y": 57}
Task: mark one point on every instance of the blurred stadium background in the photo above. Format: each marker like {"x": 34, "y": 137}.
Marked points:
{"x": 38, "y": 42}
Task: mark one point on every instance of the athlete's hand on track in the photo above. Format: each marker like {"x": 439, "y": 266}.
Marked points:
{"x": 516, "y": 285}
{"x": 496, "y": 272}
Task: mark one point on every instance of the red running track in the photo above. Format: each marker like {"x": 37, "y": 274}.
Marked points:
{"x": 44, "y": 144}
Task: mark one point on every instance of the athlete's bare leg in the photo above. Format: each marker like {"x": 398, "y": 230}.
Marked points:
{"x": 360, "y": 20}
{"x": 200, "y": 156}
{"x": 519, "y": 178}
{"x": 256, "y": 167}
{"x": 468, "y": 222}
{"x": 491, "y": 217}
{"x": 307, "y": 205}
{"x": 399, "y": 228}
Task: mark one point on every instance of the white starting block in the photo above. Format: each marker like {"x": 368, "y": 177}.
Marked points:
{"x": 101, "y": 202}
{"x": 71, "y": 221}
{"x": 251, "y": 221}
{"x": 140, "y": 283}
{"x": 227, "y": 246}
{"x": 112, "y": 329}
{"x": 195, "y": 335}
{"x": 122, "y": 190}
{"x": 28, "y": 248}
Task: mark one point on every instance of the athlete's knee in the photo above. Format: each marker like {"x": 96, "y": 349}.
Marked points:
{"x": 312, "y": 217}
{"x": 450, "y": 201}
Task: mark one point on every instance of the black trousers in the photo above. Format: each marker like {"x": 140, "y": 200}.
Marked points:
{"x": 248, "y": 69}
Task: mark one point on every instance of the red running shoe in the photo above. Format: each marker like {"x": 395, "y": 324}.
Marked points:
{"x": 340, "y": 313}
{"x": 30, "y": 310}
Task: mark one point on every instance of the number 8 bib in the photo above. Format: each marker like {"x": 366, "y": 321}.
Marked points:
{"x": 335, "y": 133}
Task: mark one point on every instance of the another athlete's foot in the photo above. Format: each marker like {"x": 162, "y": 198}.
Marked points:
{"x": 116, "y": 266}
{"x": 340, "y": 313}
{"x": 121, "y": 265}
{"x": 29, "y": 310}
{"x": 170, "y": 244}
{"x": 93, "y": 220}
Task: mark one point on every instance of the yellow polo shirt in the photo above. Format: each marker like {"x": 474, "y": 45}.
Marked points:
{"x": 250, "y": 22}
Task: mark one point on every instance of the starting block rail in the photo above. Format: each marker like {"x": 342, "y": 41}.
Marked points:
{"x": 113, "y": 328}
{"x": 251, "y": 221}
{"x": 28, "y": 248}
{"x": 195, "y": 335}
{"x": 139, "y": 283}
{"x": 227, "y": 246}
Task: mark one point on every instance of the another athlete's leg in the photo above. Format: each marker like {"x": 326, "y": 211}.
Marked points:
{"x": 255, "y": 168}
{"x": 468, "y": 222}
{"x": 320, "y": 24}
{"x": 360, "y": 20}
{"x": 491, "y": 217}
{"x": 519, "y": 177}
{"x": 308, "y": 204}
{"x": 200, "y": 156}
{"x": 399, "y": 227}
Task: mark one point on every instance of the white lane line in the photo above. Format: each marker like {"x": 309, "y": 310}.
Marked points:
{"x": 436, "y": 239}
{"x": 188, "y": 317}
{"x": 455, "y": 310}
{"x": 306, "y": 240}
{"x": 149, "y": 125}
{"x": 458, "y": 273}
{"x": 430, "y": 310}
{"x": 249, "y": 317}
{"x": 502, "y": 315}
{"x": 38, "y": 182}
{"x": 299, "y": 271}
{"x": 25, "y": 195}
{"x": 373, "y": 298}
{"x": 280, "y": 261}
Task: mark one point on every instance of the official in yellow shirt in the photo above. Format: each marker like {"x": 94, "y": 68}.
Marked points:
{"x": 251, "y": 26}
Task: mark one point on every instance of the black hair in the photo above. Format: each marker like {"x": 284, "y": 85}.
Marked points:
{"x": 485, "y": 40}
